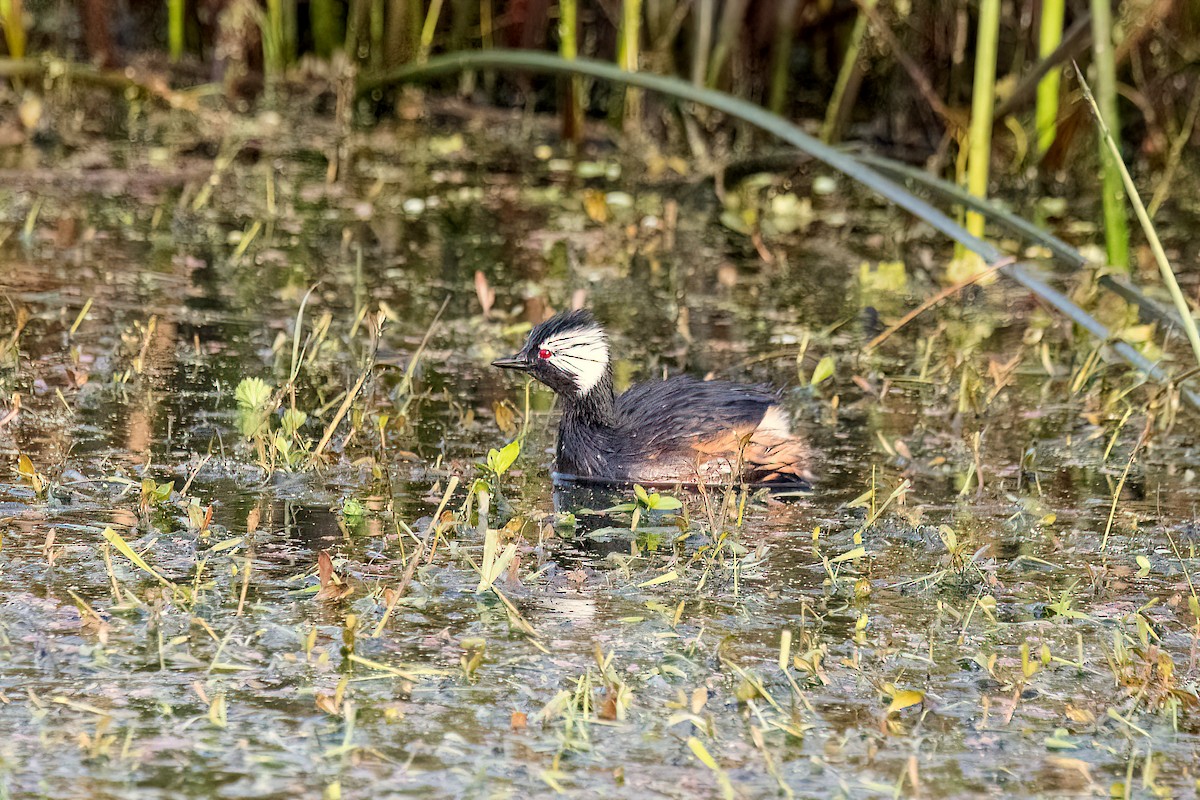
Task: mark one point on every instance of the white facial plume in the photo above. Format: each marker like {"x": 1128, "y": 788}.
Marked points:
{"x": 580, "y": 352}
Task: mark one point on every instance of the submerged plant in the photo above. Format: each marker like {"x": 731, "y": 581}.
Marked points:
{"x": 154, "y": 495}
{"x": 257, "y": 402}
{"x": 474, "y": 650}
{"x": 500, "y": 461}
{"x": 645, "y": 502}
{"x": 291, "y": 447}
{"x": 199, "y": 518}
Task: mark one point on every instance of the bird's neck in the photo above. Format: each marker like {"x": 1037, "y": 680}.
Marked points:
{"x": 596, "y": 408}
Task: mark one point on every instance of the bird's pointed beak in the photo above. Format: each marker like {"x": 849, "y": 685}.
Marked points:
{"x": 512, "y": 362}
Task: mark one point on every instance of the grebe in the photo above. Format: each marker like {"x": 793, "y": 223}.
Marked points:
{"x": 679, "y": 430}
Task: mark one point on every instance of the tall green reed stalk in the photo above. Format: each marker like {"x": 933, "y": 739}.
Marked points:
{"x": 568, "y": 49}
{"x": 706, "y": 11}
{"x": 175, "y": 20}
{"x": 1116, "y": 227}
{"x": 428, "y": 29}
{"x": 781, "y": 55}
{"x": 463, "y": 14}
{"x": 272, "y": 27}
{"x": 396, "y": 31}
{"x": 12, "y": 18}
{"x": 983, "y": 101}
{"x": 358, "y": 14}
{"x": 1049, "y": 36}
{"x": 279, "y": 32}
{"x": 628, "y": 56}
{"x": 389, "y": 28}
{"x": 487, "y": 34}
{"x": 324, "y": 25}
{"x": 487, "y": 38}
{"x": 833, "y": 112}
{"x": 732, "y": 17}
{"x": 290, "y": 28}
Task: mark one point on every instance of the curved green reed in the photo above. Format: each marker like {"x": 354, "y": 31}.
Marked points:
{"x": 842, "y": 161}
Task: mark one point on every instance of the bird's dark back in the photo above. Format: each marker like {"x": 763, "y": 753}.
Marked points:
{"x": 684, "y": 408}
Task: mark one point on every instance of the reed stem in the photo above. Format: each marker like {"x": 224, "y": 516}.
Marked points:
{"x": 568, "y": 49}
{"x": 271, "y": 24}
{"x": 379, "y": 25}
{"x": 983, "y": 101}
{"x": 324, "y": 24}
{"x": 175, "y": 20}
{"x": 1049, "y": 37}
{"x": 1116, "y": 226}
{"x": 781, "y": 55}
{"x": 428, "y": 29}
{"x": 705, "y": 14}
{"x": 289, "y": 31}
{"x": 833, "y": 112}
{"x": 487, "y": 40}
{"x": 462, "y": 16}
{"x": 727, "y": 33}
{"x": 628, "y": 55}
{"x": 12, "y": 18}
{"x": 357, "y": 15}
{"x": 486, "y": 33}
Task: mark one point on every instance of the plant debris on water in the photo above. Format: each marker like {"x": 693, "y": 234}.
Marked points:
{"x": 273, "y": 526}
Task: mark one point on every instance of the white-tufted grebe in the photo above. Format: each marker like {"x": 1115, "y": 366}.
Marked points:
{"x": 680, "y": 430}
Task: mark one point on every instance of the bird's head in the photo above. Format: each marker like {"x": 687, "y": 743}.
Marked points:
{"x": 568, "y": 353}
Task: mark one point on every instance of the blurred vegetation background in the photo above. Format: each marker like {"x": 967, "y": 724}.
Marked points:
{"x": 970, "y": 89}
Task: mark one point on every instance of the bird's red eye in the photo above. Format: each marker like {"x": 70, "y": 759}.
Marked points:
{"x": 544, "y": 353}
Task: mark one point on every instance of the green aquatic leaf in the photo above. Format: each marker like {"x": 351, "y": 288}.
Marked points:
{"x": 253, "y": 393}
{"x": 122, "y": 547}
{"x": 494, "y": 561}
{"x": 619, "y": 508}
{"x": 227, "y": 544}
{"x": 823, "y": 371}
{"x": 665, "y": 502}
{"x": 670, "y": 576}
{"x": 254, "y": 406}
{"x": 606, "y": 534}
{"x": 292, "y": 420}
{"x": 1059, "y": 741}
{"x": 849, "y": 555}
{"x": 498, "y": 461}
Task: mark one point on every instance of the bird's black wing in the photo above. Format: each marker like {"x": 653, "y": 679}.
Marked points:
{"x": 682, "y": 410}
{"x": 687, "y": 430}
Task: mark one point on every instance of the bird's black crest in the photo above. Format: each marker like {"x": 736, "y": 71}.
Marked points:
{"x": 561, "y": 323}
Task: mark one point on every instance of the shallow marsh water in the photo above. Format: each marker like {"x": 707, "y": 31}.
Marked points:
{"x": 629, "y": 664}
